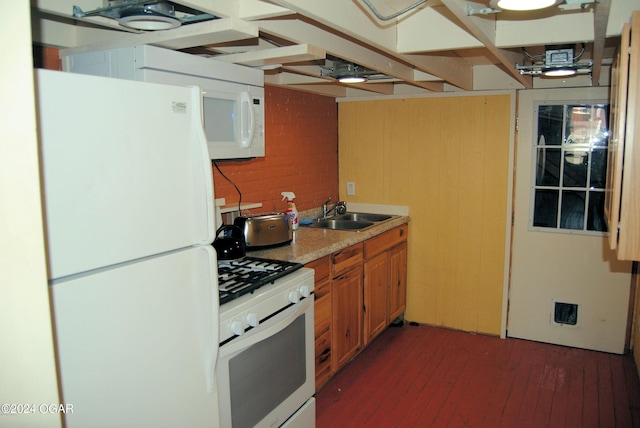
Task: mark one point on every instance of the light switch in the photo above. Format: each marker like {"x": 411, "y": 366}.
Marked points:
{"x": 351, "y": 188}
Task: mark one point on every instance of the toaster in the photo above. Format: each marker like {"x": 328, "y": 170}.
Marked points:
{"x": 265, "y": 230}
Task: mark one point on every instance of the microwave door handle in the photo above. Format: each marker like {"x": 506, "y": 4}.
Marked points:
{"x": 247, "y": 134}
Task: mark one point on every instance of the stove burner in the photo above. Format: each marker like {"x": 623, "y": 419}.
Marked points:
{"x": 242, "y": 276}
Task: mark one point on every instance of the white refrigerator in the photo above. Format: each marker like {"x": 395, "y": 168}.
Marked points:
{"x": 129, "y": 213}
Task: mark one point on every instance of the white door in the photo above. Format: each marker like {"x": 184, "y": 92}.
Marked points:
{"x": 125, "y": 167}
{"x": 566, "y": 288}
{"x": 137, "y": 344}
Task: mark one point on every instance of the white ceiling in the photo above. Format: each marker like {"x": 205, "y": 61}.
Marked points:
{"x": 439, "y": 46}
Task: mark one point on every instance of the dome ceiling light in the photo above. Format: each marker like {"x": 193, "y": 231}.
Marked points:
{"x": 557, "y": 61}
{"x": 524, "y": 4}
{"x": 497, "y": 6}
{"x": 347, "y": 72}
{"x": 146, "y": 15}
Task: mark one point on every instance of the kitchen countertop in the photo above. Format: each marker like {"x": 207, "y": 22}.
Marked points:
{"x": 310, "y": 243}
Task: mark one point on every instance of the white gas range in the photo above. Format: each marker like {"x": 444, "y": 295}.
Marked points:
{"x": 266, "y": 368}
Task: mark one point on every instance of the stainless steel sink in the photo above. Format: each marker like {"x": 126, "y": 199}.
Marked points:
{"x": 337, "y": 224}
{"x": 363, "y": 217}
{"x": 350, "y": 221}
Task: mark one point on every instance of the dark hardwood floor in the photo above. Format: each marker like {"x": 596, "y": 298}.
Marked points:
{"x": 419, "y": 376}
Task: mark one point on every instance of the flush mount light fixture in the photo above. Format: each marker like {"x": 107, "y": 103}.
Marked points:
{"x": 557, "y": 61}
{"x": 147, "y": 15}
{"x": 347, "y": 72}
{"x": 352, "y": 79}
{"x": 149, "y": 21}
{"x": 559, "y": 72}
{"x": 524, "y": 4}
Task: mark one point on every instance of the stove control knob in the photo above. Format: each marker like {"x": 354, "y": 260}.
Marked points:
{"x": 294, "y": 297}
{"x": 304, "y": 291}
{"x": 252, "y": 319}
{"x": 237, "y": 327}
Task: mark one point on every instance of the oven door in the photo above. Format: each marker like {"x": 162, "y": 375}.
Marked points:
{"x": 267, "y": 374}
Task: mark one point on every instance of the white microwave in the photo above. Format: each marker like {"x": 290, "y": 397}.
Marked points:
{"x": 232, "y": 95}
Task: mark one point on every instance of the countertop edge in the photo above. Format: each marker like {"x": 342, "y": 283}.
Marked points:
{"x": 311, "y": 244}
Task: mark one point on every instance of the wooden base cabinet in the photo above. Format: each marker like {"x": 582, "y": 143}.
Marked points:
{"x": 346, "y": 305}
{"x": 358, "y": 292}
{"x": 322, "y": 309}
{"x": 376, "y": 296}
{"x": 397, "y": 281}
{"x": 385, "y": 280}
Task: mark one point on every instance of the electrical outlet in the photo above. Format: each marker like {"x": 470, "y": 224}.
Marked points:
{"x": 351, "y": 188}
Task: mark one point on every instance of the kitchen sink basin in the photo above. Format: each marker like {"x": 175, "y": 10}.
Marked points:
{"x": 363, "y": 217}
{"x": 350, "y": 221}
{"x": 337, "y": 224}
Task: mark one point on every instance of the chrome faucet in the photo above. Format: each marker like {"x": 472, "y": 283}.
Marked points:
{"x": 325, "y": 207}
{"x": 339, "y": 207}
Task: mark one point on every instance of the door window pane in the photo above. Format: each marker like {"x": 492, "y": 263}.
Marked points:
{"x": 548, "y": 167}
{"x": 550, "y": 122}
{"x": 595, "y": 217}
{"x": 572, "y": 213}
{"x": 599, "y": 168}
{"x": 546, "y": 208}
{"x": 576, "y": 164}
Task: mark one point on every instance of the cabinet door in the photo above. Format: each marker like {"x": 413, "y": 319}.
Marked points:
{"x": 376, "y": 280}
{"x": 629, "y": 226}
{"x": 322, "y": 311}
{"x": 619, "y": 83}
{"x": 346, "y": 326}
{"x": 323, "y": 359}
{"x": 397, "y": 281}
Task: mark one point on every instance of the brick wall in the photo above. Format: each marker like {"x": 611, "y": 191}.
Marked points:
{"x": 45, "y": 57}
{"x": 301, "y": 154}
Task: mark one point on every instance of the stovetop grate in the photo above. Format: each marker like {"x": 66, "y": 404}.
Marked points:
{"x": 239, "y": 277}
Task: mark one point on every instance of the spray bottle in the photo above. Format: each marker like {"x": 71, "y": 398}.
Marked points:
{"x": 292, "y": 211}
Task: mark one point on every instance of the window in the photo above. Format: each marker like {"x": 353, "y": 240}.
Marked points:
{"x": 570, "y": 168}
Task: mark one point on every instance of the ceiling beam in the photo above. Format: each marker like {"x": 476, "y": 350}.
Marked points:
{"x": 600, "y": 21}
{"x": 282, "y": 55}
{"x": 485, "y": 33}
{"x": 350, "y": 20}
{"x": 458, "y": 71}
{"x": 299, "y": 31}
{"x": 325, "y": 89}
{"x": 185, "y": 36}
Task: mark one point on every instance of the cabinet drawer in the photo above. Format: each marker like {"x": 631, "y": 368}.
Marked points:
{"x": 385, "y": 241}
{"x": 322, "y": 309}
{"x": 346, "y": 258}
{"x": 321, "y": 267}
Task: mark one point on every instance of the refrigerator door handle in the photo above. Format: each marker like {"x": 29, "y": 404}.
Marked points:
{"x": 213, "y": 322}
{"x": 197, "y": 116}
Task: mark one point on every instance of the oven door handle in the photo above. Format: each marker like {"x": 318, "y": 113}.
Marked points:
{"x": 264, "y": 331}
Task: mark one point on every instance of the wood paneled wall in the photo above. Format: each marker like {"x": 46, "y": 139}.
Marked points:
{"x": 448, "y": 159}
